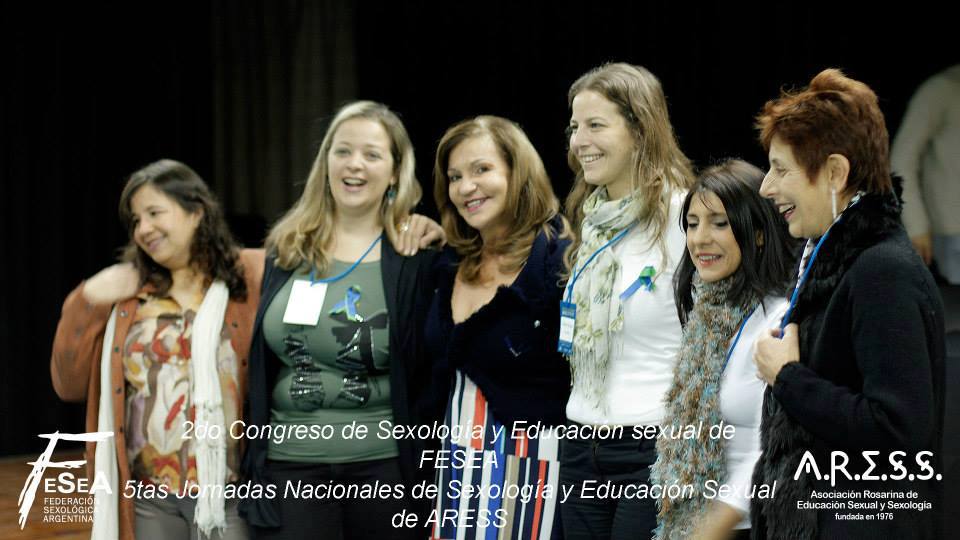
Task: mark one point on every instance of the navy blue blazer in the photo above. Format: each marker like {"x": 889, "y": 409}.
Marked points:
{"x": 508, "y": 347}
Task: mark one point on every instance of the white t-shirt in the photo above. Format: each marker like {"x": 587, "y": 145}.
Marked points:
{"x": 741, "y": 400}
{"x": 643, "y": 354}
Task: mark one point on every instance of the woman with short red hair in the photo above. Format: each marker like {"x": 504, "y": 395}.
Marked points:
{"x": 860, "y": 365}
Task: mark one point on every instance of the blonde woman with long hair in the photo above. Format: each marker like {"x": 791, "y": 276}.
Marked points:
{"x": 335, "y": 341}
{"x": 631, "y": 179}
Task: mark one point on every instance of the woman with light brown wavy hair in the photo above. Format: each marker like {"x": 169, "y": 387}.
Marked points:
{"x": 528, "y": 204}
{"x": 493, "y": 325}
{"x": 631, "y": 179}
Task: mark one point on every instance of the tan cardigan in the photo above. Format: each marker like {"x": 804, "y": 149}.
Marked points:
{"x": 75, "y": 362}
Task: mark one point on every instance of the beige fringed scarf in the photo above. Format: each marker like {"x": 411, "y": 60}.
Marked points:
{"x": 593, "y": 292}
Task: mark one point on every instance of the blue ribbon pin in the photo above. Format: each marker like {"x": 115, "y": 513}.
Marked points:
{"x": 645, "y": 280}
{"x": 349, "y": 304}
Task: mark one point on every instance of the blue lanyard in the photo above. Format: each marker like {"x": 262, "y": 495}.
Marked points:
{"x": 737, "y": 339}
{"x": 341, "y": 275}
{"x": 803, "y": 279}
{"x": 576, "y": 275}
{"x": 813, "y": 257}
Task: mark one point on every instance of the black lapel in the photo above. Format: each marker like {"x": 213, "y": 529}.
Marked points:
{"x": 274, "y": 278}
{"x": 391, "y": 273}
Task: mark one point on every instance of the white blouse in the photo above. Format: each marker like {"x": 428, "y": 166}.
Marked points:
{"x": 741, "y": 400}
{"x": 644, "y": 353}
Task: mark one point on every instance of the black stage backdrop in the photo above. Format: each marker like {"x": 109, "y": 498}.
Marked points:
{"x": 240, "y": 91}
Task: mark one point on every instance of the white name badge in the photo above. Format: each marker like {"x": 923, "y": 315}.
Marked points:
{"x": 305, "y": 303}
{"x": 568, "y": 321}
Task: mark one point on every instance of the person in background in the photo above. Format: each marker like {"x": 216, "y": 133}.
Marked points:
{"x": 926, "y": 152}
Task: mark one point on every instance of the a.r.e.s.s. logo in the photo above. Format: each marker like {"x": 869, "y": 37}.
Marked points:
{"x": 894, "y": 464}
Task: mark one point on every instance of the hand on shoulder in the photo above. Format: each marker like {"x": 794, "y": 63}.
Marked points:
{"x": 112, "y": 284}
{"x": 418, "y": 232}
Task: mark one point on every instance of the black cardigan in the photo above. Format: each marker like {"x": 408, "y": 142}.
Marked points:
{"x": 508, "y": 347}
{"x": 407, "y": 287}
{"x": 870, "y": 377}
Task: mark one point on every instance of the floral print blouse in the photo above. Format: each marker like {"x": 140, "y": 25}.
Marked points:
{"x": 159, "y": 408}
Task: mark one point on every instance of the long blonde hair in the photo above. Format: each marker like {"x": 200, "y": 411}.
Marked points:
{"x": 304, "y": 235}
{"x": 529, "y": 195}
{"x": 659, "y": 166}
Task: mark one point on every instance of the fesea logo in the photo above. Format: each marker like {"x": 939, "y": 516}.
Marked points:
{"x": 65, "y": 482}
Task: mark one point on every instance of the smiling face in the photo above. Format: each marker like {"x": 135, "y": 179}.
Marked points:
{"x": 602, "y": 143}
{"x": 478, "y": 179}
{"x": 360, "y": 165}
{"x": 710, "y": 239}
{"x": 805, "y": 204}
{"x": 162, "y": 228}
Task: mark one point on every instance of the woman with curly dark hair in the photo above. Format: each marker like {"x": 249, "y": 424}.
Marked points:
{"x": 856, "y": 377}
{"x": 157, "y": 345}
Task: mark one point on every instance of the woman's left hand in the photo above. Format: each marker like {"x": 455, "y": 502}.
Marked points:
{"x": 418, "y": 232}
{"x": 773, "y": 352}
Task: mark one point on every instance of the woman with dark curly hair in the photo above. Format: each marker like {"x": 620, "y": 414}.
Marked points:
{"x": 157, "y": 345}
{"x": 860, "y": 366}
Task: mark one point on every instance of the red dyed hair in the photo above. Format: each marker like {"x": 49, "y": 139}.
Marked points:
{"x": 834, "y": 115}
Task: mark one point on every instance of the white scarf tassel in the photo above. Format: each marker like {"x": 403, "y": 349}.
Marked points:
{"x": 211, "y": 452}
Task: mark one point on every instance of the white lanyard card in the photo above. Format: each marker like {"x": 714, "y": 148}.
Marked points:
{"x": 305, "y": 303}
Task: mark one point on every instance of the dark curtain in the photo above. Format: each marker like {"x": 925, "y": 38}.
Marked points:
{"x": 279, "y": 68}
{"x": 93, "y": 92}
{"x": 90, "y": 93}
{"x": 718, "y": 62}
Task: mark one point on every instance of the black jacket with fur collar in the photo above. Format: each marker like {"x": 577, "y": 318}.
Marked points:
{"x": 870, "y": 377}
